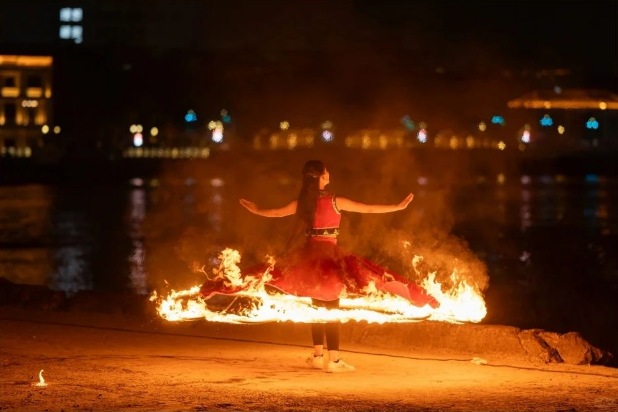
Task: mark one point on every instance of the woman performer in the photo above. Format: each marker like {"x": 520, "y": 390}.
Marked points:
{"x": 320, "y": 269}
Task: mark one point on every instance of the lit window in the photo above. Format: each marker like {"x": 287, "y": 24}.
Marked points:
{"x": 71, "y": 14}
{"x": 65, "y": 32}
{"x": 76, "y": 33}
{"x": 77, "y": 14}
{"x": 65, "y": 14}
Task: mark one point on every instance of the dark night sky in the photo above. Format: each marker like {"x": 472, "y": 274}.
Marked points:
{"x": 368, "y": 61}
{"x": 574, "y": 34}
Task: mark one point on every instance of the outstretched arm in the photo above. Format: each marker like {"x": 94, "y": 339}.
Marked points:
{"x": 286, "y": 210}
{"x": 352, "y": 206}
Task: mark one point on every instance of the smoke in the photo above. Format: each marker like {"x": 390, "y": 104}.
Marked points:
{"x": 194, "y": 213}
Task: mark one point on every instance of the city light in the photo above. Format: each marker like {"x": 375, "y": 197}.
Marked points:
{"x": 138, "y": 139}
{"x": 501, "y": 145}
{"x": 175, "y": 153}
{"x": 217, "y": 131}
{"x": 133, "y": 128}
{"x": 482, "y": 126}
{"x": 57, "y": 129}
{"x": 292, "y": 140}
{"x": 327, "y": 125}
{"x": 454, "y": 142}
{"x": 592, "y": 123}
{"x": 71, "y": 14}
{"x": 29, "y": 103}
{"x": 546, "y": 121}
{"x": 498, "y": 120}
{"x": 561, "y": 129}
{"x": 190, "y": 116}
{"x": 217, "y": 135}
{"x": 284, "y": 125}
{"x": 422, "y": 136}
{"x": 69, "y": 31}
{"x": 211, "y": 125}
{"x": 525, "y": 136}
{"x": 602, "y": 105}
{"x": 45, "y": 129}
{"x": 470, "y": 142}
{"x": 139, "y": 128}
{"x": 154, "y": 131}
{"x": 327, "y": 136}
{"x": 408, "y": 123}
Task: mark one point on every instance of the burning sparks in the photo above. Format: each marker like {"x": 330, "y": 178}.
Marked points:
{"x": 254, "y": 304}
{"x": 41, "y": 381}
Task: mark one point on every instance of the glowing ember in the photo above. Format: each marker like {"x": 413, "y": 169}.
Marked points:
{"x": 460, "y": 303}
{"x": 41, "y": 381}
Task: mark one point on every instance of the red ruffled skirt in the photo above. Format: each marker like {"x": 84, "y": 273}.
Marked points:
{"x": 322, "y": 270}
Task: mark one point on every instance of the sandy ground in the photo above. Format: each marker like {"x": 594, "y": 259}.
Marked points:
{"x": 101, "y": 367}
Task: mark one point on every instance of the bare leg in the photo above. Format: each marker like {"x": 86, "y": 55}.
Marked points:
{"x": 318, "y": 350}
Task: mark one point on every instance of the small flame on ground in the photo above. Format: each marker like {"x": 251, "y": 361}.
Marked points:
{"x": 41, "y": 381}
{"x": 461, "y": 303}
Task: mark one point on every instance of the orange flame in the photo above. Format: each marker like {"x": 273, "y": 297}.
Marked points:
{"x": 461, "y": 303}
{"x": 41, "y": 381}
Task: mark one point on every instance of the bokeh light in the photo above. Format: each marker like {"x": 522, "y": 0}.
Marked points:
{"x": 138, "y": 139}
{"x": 546, "y": 121}
{"x": 422, "y": 136}
{"x": 592, "y": 123}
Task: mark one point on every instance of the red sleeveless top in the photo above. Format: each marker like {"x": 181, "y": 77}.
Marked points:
{"x": 326, "y": 218}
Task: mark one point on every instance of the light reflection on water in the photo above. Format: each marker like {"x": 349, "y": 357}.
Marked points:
{"x": 72, "y": 236}
{"x": 137, "y": 205}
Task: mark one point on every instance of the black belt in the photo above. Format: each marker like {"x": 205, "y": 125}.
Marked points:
{"x": 331, "y": 231}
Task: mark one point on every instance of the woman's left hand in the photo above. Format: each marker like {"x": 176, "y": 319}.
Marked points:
{"x": 405, "y": 202}
{"x": 250, "y": 206}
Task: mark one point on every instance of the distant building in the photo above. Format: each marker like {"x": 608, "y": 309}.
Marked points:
{"x": 26, "y": 103}
{"x": 569, "y": 119}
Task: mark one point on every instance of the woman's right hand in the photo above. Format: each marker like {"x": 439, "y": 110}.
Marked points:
{"x": 405, "y": 202}
{"x": 250, "y": 206}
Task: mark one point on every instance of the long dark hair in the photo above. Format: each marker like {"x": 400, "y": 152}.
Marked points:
{"x": 307, "y": 198}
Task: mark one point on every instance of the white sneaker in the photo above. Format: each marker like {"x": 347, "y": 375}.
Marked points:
{"x": 316, "y": 362}
{"x": 338, "y": 367}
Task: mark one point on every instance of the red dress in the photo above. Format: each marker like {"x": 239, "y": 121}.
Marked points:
{"x": 322, "y": 270}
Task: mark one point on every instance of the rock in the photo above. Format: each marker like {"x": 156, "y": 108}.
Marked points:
{"x": 574, "y": 349}
{"x": 551, "y": 338}
{"x": 8, "y": 293}
{"x": 537, "y": 347}
{"x": 464, "y": 339}
{"x": 89, "y": 301}
{"x": 30, "y": 296}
